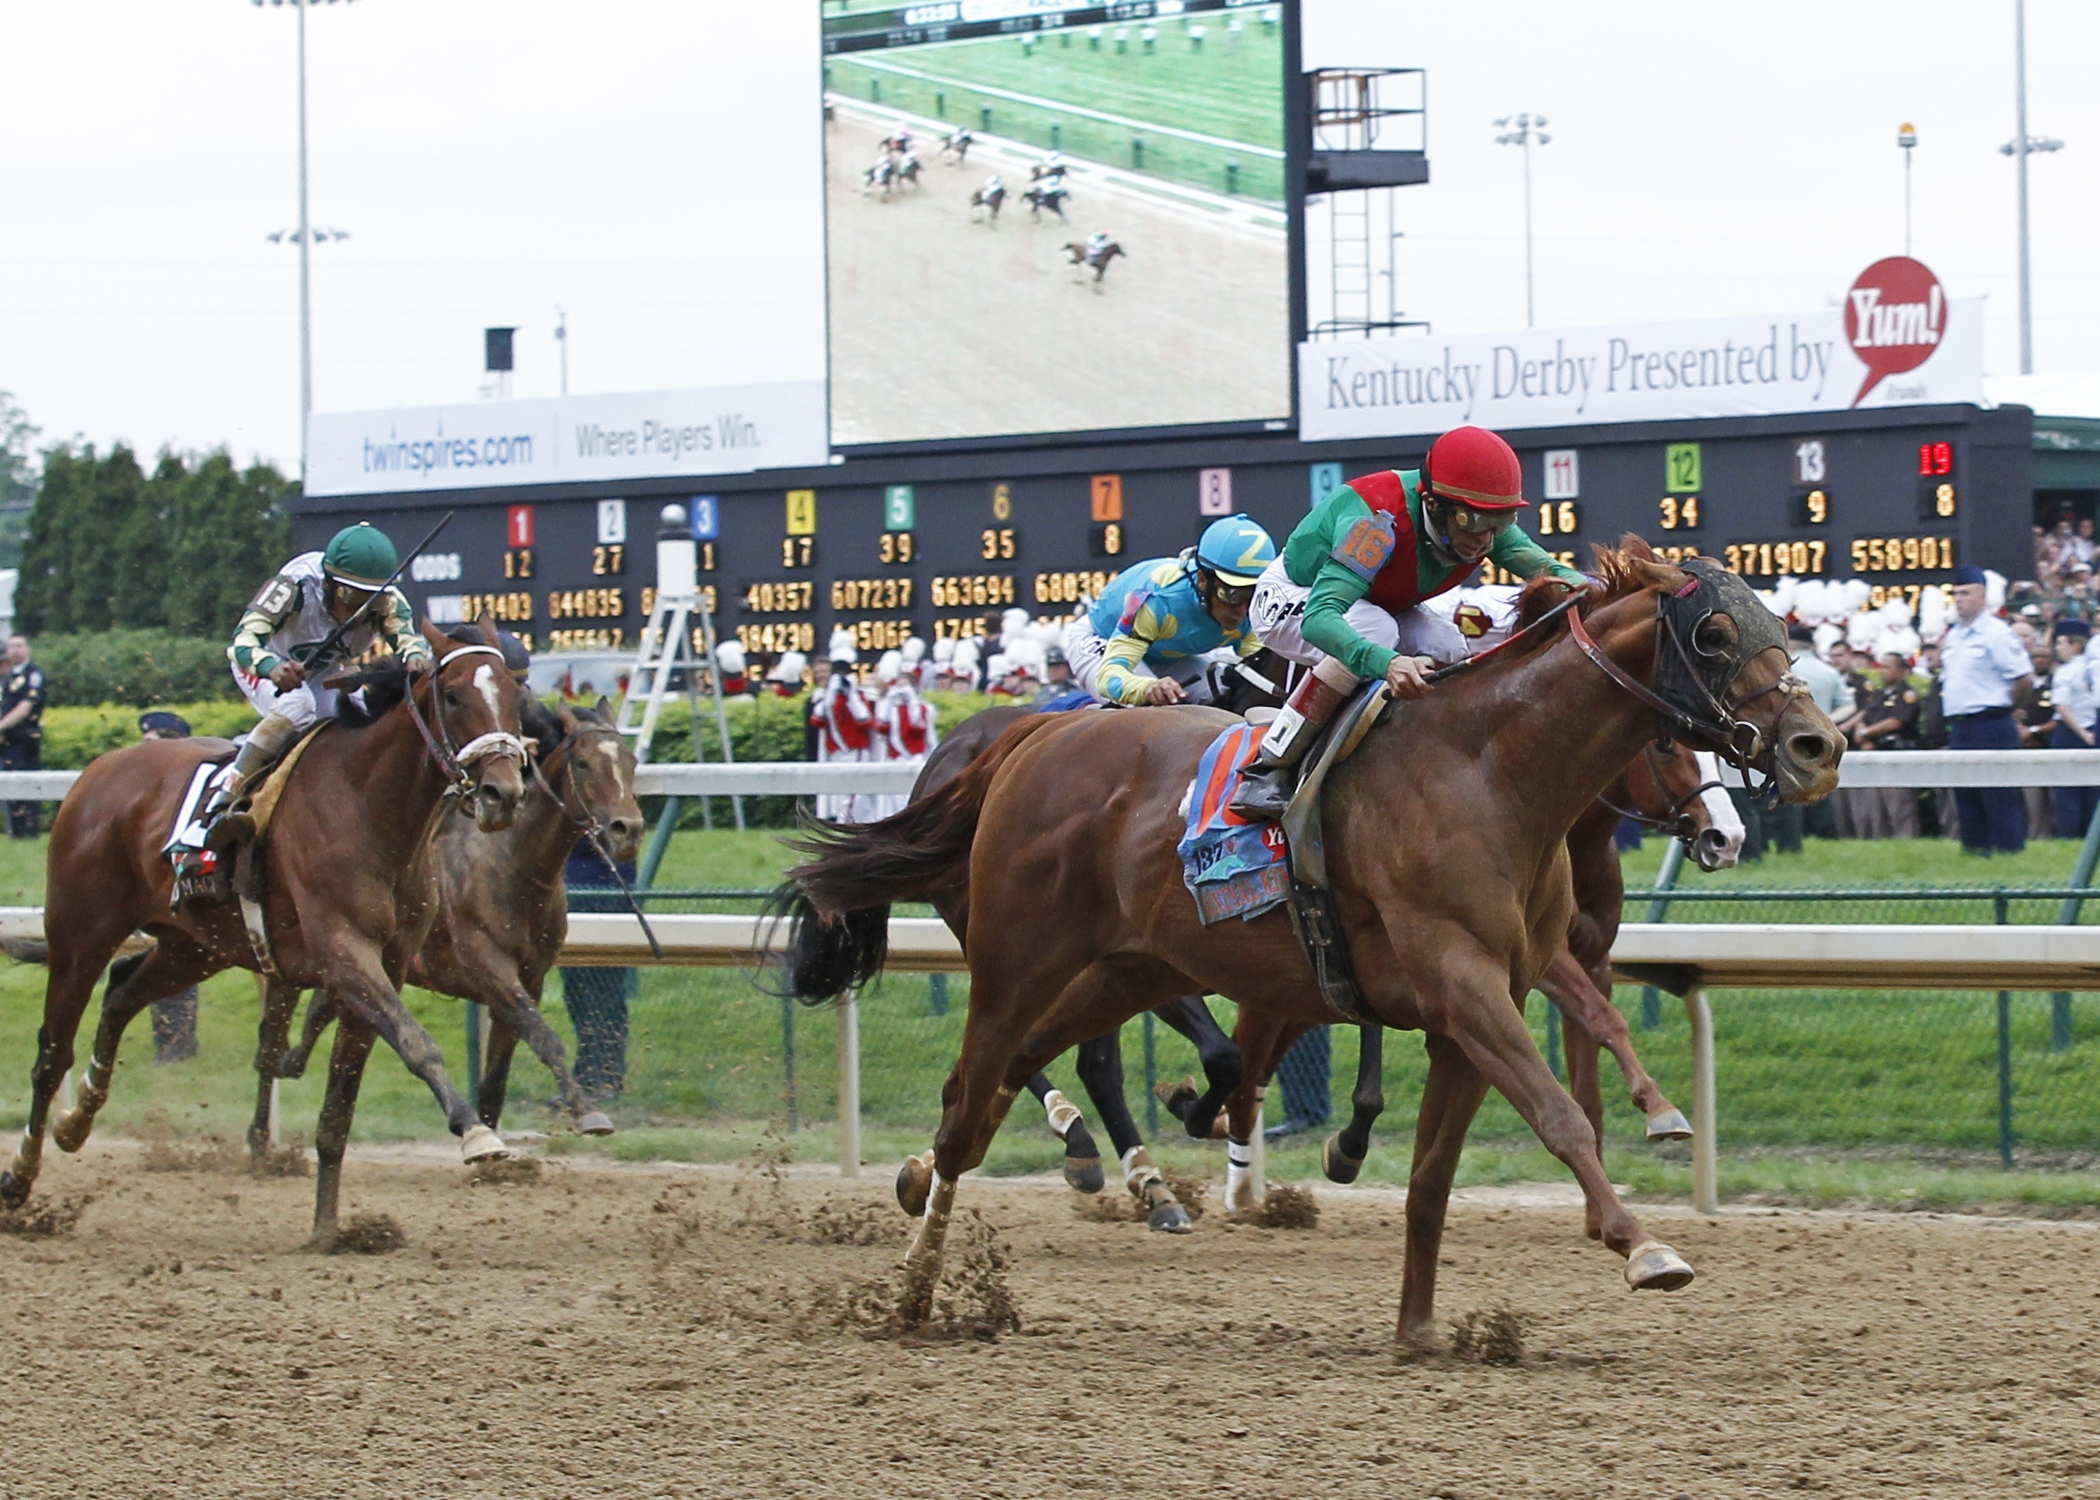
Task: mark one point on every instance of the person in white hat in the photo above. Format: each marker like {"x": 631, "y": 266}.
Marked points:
{"x": 729, "y": 662}
{"x": 844, "y": 721}
{"x": 904, "y": 725}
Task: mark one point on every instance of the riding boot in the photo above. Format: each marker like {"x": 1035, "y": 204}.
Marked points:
{"x": 265, "y": 742}
{"x": 1265, "y": 785}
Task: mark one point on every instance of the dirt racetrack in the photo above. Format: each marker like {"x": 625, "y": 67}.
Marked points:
{"x": 654, "y": 1331}
{"x": 945, "y": 327}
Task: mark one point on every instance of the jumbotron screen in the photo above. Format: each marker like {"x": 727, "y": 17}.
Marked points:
{"x": 1053, "y": 217}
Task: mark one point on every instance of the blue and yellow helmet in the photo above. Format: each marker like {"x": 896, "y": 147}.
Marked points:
{"x": 1236, "y": 549}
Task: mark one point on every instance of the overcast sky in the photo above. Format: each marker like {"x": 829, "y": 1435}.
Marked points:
{"x": 494, "y": 158}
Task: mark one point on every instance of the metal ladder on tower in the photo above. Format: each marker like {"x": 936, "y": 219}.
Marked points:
{"x": 667, "y": 648}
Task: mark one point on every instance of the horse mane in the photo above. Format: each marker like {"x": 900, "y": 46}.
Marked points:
{"x": 386, "y": 683}
{"x": 1620, "y": 570}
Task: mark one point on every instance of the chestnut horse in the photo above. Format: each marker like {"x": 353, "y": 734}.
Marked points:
{"x": 343, "y": 897}
{"x": 1446, "y": 849}
{"x": 1665, "y": 786}
{"x": 502, "y": 913}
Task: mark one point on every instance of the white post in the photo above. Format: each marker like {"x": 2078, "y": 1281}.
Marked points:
{"x": 1705, "y": 1149}
{"x": 2020, "y": 156}
{"x": 849, "y": 1084}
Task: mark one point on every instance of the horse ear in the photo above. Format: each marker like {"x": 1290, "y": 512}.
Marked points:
{"x": 1637, "y": 548}
{"x": 487, "y": 626}
{"x": 440, "y": 643}
{"x": 603, "y": 708}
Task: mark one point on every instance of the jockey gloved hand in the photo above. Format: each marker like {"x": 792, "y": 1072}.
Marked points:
{"x": 1165, "y": 690}
{"x": 287, "y": 676}
{"x": 1408, "y": 677}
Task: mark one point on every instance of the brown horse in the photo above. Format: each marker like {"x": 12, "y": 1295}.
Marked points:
{"x": 989, "y": 202}
{"x": 1237, "y": 687}
{"x": 342, "y": 894}
{"x": 502, "y": 913}
{"x": 1665, "y": 787}
{"x": 1077, "y": 254}
{"x": 1446, "y": 848}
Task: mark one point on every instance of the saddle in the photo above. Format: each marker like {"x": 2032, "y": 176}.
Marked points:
{"x": 205, "y": 878}
{"x": 1313, "y": 914}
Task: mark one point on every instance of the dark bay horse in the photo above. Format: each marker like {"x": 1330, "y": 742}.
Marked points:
{"x": 1665, "y": 787}
{"x": 343, "y": 895}
{"x": 1446, "y": 849}
{"x": 1099, "y": 1063}
{"x": 502, "y": 904}
{"x": 1052, "y": 199}
{"x": 1077, "y": 254}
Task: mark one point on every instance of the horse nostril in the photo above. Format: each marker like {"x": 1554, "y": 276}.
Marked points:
{"x": 1811, "y": 748}
{"x": 625, "y": 829}
{"x": 1714, "y": 839}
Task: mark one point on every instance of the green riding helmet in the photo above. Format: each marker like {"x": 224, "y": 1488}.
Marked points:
{"x": 360, "y": 557}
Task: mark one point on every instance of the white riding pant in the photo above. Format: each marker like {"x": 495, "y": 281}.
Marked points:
{"x": 1279, "y": 608}
{"x": 303, "y": 706}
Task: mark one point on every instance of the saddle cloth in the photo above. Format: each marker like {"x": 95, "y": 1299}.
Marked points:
{"x": 1232, "y": 867}
{"x": 262, "y": 799}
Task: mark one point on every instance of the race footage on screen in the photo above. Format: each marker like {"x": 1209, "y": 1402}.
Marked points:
{"x": 1041, "y": 219}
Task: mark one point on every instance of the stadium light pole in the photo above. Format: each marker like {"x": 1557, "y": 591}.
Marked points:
{"x": 1907, "y": 139}
{"x": 304, "y": 237}
{"x": 1524, "y": 130}
{"x": 2020, "y": 147}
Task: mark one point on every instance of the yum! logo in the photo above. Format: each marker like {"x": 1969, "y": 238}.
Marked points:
{"x": 1895, "y": 316}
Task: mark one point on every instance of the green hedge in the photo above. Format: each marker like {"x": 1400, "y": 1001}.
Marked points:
{"x": 134, "y": 666}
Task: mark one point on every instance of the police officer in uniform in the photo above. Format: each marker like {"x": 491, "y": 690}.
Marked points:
{"x": 1986, "y": 673}
{"x": 22, "y": 730}
{"x": 1887, "y": 720}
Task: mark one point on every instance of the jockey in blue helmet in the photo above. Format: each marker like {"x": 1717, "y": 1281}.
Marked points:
{"x": 1144, "y": 639}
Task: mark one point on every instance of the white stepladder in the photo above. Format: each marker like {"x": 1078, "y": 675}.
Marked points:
{"x": 679, "y": 638}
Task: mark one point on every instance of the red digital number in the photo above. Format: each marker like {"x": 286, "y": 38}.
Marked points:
{"x": 1935, "y": 459}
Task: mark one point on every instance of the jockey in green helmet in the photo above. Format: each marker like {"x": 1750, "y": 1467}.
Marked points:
{"x": 345, "y": 584}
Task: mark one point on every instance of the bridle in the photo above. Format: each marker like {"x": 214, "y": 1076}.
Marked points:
{"x": 1666, "y": 821}
{"x": 581, "y": 821}
{"x": 1691, "y": 692}
{"x": 452, "y": 762}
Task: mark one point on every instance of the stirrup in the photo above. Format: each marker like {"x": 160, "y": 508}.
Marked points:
{"x": 231, "y": 828}
{"x": 1261, "y": 795}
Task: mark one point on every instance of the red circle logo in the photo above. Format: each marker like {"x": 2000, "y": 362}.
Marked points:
{"x": 1895, "y": 316}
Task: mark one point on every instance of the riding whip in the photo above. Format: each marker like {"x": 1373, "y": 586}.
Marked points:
{"x": 319, "y": 655}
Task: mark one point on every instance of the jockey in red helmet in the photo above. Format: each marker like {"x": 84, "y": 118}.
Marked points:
{"x": 1341, "y": 597}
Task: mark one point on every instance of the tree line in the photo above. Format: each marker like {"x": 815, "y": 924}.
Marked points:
{"x": 180, "y": 549}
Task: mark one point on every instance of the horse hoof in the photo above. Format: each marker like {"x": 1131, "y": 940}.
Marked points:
{"x": 14, "y": 1191}
{"x": 1170, "y": 1218}
{"x": 1655, "y": 1267}
{"x": 597, "y": 1122}
{"x": 1177, "y": 1097}
{"x": 482, "y": 1144}
{"x": 1338, "y": 1164}
{"x": 1083, "y": 1174}
{"x": 914, "y": 1182}
{"x": 1669, "y": 1125}
{"x": 70, "y": 1131}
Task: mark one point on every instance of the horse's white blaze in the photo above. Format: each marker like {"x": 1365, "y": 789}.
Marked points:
{"x": 485, "y": 679}
{"x": 610, "y": 751}
{"x": 1721, "y": 808}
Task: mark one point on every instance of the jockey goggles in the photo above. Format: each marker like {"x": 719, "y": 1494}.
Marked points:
{"x": 1463, "y": 518}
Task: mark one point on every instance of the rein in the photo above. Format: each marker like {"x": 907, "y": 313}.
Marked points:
{"x": 1666, "y": 821}
{"x": 452, "y": 763}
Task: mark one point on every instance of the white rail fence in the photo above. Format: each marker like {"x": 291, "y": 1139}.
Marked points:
{"x": 1686, "y": 958}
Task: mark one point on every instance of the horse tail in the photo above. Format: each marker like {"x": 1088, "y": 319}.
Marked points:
{"x": 837, "y": 903}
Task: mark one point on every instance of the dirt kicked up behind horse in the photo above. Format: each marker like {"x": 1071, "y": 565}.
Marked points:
{"x": 1446, "y": 850}
{"x": 345, "y": 903}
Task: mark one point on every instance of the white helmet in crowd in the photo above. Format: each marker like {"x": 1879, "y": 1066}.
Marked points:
{"x": 890, "y": 667}
{"x": 790, "y": 668}
{"x": 1932, "y": 615}
{"x": 944, "y": 651}
{"x": 843, "y": 646}
{"x": 729, "y": 656}
{"x": 914, "y": 651}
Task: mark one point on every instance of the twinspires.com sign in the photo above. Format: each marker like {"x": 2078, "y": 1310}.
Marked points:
{"x": 641, "y": 435}
{"x": 1711, "y": 367}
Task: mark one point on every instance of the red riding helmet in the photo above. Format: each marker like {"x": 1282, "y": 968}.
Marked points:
{"x": 1474, "y": 467}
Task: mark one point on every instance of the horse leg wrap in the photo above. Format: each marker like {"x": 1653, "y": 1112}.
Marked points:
{"x": 1239, "y": 1174}
{"x": 922, "y": 1263}
{"x": 1139, "y": 1173}
{"x": 1063, "y": 1113}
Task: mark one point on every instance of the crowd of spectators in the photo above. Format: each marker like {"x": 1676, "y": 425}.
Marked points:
{"x": 1985, "y": 665}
